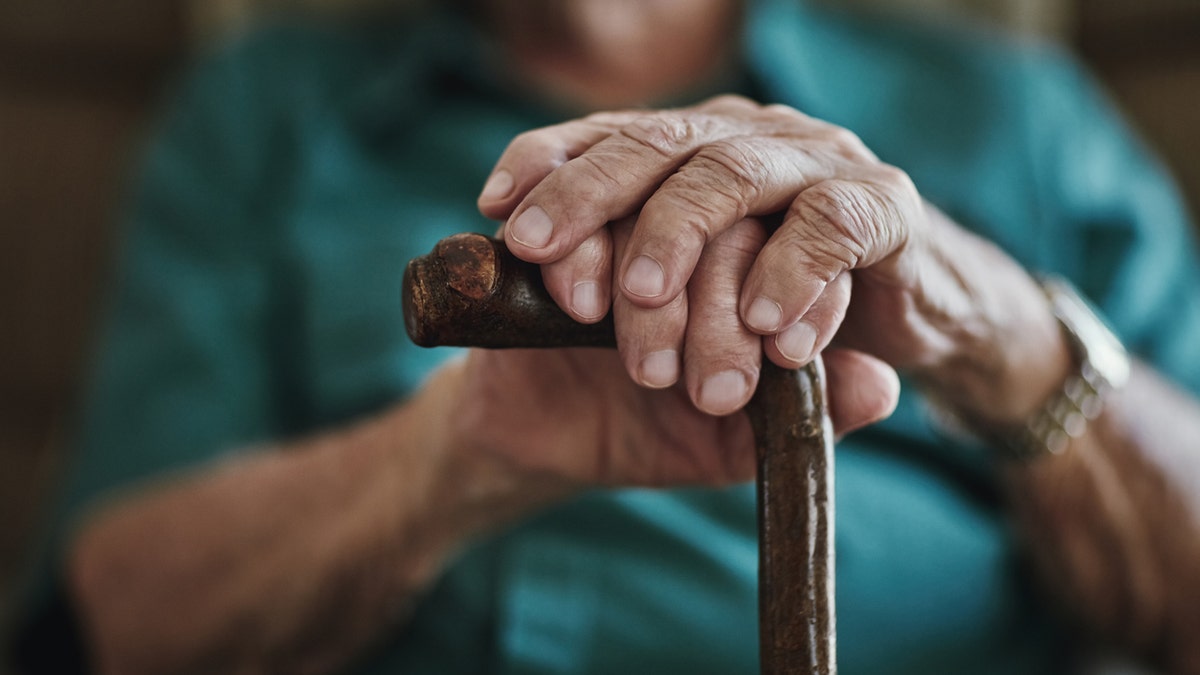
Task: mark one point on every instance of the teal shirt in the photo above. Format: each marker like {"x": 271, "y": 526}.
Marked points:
{"x": 297, "y": 172}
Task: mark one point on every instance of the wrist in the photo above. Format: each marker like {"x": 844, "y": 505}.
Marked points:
{"x": 1100, "y": 365}
{"x": 1004, "y": 383}
{"x": 1007, "y": 353}
{"x": 470, "y": 490}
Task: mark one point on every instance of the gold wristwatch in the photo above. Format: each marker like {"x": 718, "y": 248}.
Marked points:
{"x": 1102, "y": 365}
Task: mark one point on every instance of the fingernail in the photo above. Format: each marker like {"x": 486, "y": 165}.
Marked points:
{"x": 724, "y": 392}
{"x": 645, "y": 277}
{"x": 660, "y": 369}
{"x": 797, "y": 341}
{"x": 533, "y": 227}
{"x": 585, "y": 299}
{"x": 498, "y": 186}
{"x": 764, "y": 315}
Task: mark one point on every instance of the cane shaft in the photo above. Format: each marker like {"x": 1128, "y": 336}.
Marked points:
{"x": 794, "y": 436}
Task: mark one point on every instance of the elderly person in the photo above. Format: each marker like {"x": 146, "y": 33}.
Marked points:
{"x": 270, "y": 478}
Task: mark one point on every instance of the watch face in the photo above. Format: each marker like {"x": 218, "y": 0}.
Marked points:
{"x": 1098, "y": 345}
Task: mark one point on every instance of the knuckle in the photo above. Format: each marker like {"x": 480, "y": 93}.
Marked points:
{"x": 738, "y": 172}
{"x": 667, "y": 134}
{"x": 606, "y": 118}
{"x": 848, "y": 144}
{"x": 842, "y": 136}
{"x": 840, "y": 142}
{"x": 730, "y": 101}
{"x": 700, "y": 215}
{"x": 798, "y": 255}
{"x": 787, "y": 112}
{"x": 695, "y": 212}
{"x": 896, "y": 180}
{"x": 899, "y": 205}
{"x": 841, "y": 218}
{"x": 601, "y": 177}
{"x": 541, "y": 144}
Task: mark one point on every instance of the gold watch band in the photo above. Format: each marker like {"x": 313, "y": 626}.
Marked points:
{"x": 1102, "y": 366}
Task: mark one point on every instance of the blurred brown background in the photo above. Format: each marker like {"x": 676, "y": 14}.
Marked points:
{"x": 78, "y": 82}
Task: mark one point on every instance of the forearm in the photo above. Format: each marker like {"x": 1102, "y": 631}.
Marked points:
{"x": 289, "y": 560}
{"x": 1113, "y": 524}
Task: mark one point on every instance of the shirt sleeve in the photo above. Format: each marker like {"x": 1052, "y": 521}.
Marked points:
{"x": 1134, "y": 251}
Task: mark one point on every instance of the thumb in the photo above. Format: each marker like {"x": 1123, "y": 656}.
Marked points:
{"x": 862, "y": 389}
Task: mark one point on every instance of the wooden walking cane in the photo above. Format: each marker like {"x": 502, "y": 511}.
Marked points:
{"x": 471, "y": 292}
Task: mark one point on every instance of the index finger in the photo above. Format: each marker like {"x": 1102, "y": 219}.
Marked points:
{"x": 531, "y": 156}
{"x": 609, "y": 181}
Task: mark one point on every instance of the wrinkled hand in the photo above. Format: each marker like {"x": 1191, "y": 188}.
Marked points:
{"x": 573, "y": 418}
{"x": 574, "y": 415}
{"x": 697, "y": 284}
